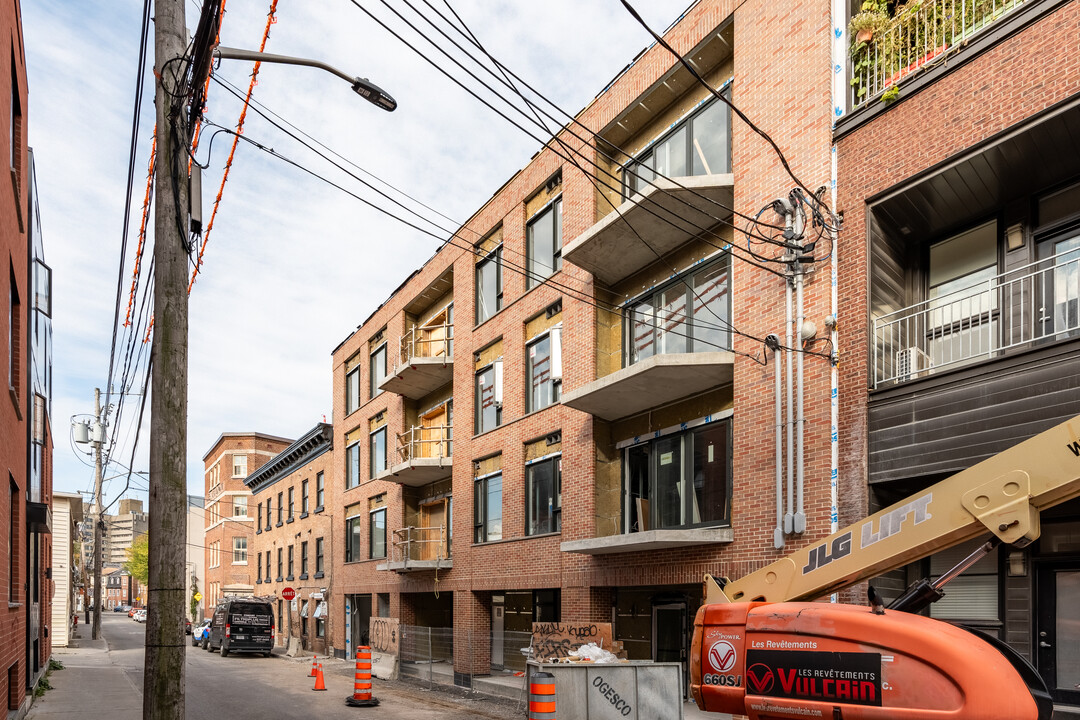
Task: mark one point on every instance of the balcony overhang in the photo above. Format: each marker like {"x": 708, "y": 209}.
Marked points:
{"x": 651, "y": 383}
{"x": 419, "y": 471}
{"x": 419, "y": 377}
{"x": 665, "y": 215}
{"x": 649, "y": 540}
{"x": 407, "y": 566}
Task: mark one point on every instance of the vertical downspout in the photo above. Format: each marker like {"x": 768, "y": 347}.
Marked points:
{"x": 789, "y": 515}
{"x": 773, "y": 342}
{"x": 839, "y": 90}
{"x": 800, "y": 417}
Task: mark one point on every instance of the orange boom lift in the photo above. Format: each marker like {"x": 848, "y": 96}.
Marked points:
{"x": 761, "y": 650}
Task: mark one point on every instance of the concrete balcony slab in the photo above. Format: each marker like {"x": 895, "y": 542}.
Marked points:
{"x": 666, "y": 216}
{"x": 649, "y": 540}
{"x": 419, "y": 377}
{"x": 651, "y": 383}
{"x": 419, "y": 471}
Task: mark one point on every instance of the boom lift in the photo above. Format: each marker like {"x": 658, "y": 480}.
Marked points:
{"x": 759, "y": 651}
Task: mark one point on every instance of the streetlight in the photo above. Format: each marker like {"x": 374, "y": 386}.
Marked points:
{"x": 361, "y": 86}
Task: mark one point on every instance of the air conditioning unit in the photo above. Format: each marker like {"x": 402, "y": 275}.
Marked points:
{"x": 912, "y": 363}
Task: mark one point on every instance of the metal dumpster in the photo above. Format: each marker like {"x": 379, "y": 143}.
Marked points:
{"x": 638, "y": 690}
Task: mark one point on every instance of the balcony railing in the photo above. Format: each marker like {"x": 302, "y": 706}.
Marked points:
{"x": 922, "y": 34}
{"x": 1039, "y": 302}
{"x": 420, "y": 544}
{"x": 427, "y": 341}
{"x": 423, "y": 441}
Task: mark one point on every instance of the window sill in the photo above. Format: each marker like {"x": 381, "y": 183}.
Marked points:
{"x": 290, "y": 520}
{"x": 258, "y": 581}
{"x": 303, "y": 576}
{"x": 303, "y": 514}
{"x": 319, "y": 509}
{"x": 279, "y": 524}
{"x": 235, "y": 562}
{"x": 290, "y": 578}
{"x": 526, "y": 416}
{"x": 258, "y": 531}
{"x": 319, "y": 575}
{"x": 279, "y": 579}
{"x": 268, "y": 528}
{"x": 515, "y": 539}
{"x": 12, "y": 606}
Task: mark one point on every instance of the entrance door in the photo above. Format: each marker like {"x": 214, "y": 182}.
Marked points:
{"x": 433, "y": 522}
{"x": 360, "y": 620}
{"x": 669, "y": 640}
{"x": 1057, "y": 630}
{"x": 498, "y": 625}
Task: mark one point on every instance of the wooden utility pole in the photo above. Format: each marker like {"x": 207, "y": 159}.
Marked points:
{"x": 164, "y": 677}
{"x": 99, "y": 427}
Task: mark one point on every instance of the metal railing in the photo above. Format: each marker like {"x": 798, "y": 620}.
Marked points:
{"x": 427, "y": 341}
{"x": 1039, "y": 302}
{"x": 420, "y": 543}
{"x": 425, "y": 441}
{"x": 922, "y": 34}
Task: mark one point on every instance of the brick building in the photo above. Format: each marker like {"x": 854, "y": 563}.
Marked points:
{"x": 26, "y": 451}
{"x": 960, "y": 263}
{"x": 583, "y": 368}
{"x": 230, "y": 526}
{"x": 292, "y": 543}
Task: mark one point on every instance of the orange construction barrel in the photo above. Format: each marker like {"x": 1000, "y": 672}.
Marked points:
{"x": 542, "y": 696}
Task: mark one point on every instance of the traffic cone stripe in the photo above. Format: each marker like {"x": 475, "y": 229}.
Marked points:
{"x": 319, "y": 683}
{"x": 542, "y": 697}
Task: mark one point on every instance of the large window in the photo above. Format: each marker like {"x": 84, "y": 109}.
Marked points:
{"x": 377, "y": 452}
{"x": 378, "y": 370}
{"x": 303, "y": 560}
{"x": 689, "y": 314}
{"x": 320, "y": 490}
{"x": 239, "y": 506}
{"x": 280, "y": 509}
{"x": 292, "y": 503}
{"x": 239, "y": 466}
{"x": 699, "y": 145}
{"x": 489, "y": 285}
{"x": 377, "y": 533}
{"x": 487, "y": 510}
{"x": 318, "y": 557}
{"x": 543, "y": 488}
{"x": 354, "y": 528}
{"x": 304, "y": 498}
{"x": 543, "y": 370}
{"x": 352, "y": 465}
{"x": 679, "y": 480}
{"x": 352, "y": 390}
{"x": 239, "y": 551}
{"x": 489, "y": 397}
{"x": 543, "y": 244}
{"x": 962, "y": 311}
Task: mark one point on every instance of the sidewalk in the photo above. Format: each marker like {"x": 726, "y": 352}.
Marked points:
{"x": 90, "y": 685}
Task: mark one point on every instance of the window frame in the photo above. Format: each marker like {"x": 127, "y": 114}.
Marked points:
{"x": 352, "y": 390}
{"x": 553, "y": 336}
{"x": 652, "y": 299}
{"x": 240, "y": 502}
{"x": 304, "y": 560}
{"x": 373, "y": 471}
{"x": 240, "y": 462}
{"x": 352, "y": 465}
{"x": 556, "y": 502}
{"x": 496, "y": 381}
{"x": 291, "y": 564}
{"x": 532, "y": 277}
{"x": 268, "y": 575}
{"x": 292, "y": 503}
{"x": 280, "y": 509}
{"x": 482, "y": 511}
{"x": 319, "y": 557}
{"x": 280, "y": 564}
{"x": 304, "y": 499}
{"x": 352, "y": 525}
{"x": 239, "y": 554}
{"x": 632, "y": 184}
{"x": 375, "y": 378}
{"x": 320, "y": 490}
{"x": 372, "y": 515}
{"x": 495, "y": 256}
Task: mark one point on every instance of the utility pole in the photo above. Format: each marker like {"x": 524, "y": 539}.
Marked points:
{"x": 97, "y": 437}
{"x": 164, "y": 677}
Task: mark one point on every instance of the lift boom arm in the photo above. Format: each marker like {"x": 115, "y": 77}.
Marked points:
{"x": 1003, "y": 494}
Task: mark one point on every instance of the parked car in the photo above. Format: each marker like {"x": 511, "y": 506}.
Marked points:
{"x": 199, "y": 632}
{"x": 131, "y": 611}
{"x": 187, "y": 627}
{"x": 140, "y": 616}
{"x": 121, "y": 608}
{"x": 242, "y": 625}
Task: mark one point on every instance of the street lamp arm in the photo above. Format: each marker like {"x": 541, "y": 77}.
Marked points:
{"x": 361, "y": 86}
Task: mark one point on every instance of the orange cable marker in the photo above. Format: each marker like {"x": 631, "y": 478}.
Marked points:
{"x": 142, "y": 227}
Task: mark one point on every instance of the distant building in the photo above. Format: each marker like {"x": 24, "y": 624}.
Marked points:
{"x": 230, "y": 526}
{"x": 123, "y": 529}
{"x": 196, "y": 558}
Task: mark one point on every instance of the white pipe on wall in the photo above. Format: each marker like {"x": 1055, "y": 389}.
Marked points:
{"x": 788, "y": 345}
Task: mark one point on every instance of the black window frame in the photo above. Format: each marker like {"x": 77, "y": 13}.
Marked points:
{"x": 532, "y": 277}
{"x": 304, "y": 560}
{"x": 372, "y": 514}
{"x": 353, "y": 529}
{"x": 481, "y": 511}
{"x": 478, "y": 426}
{"x": 269, "y": 513}
{"x": 352, "y": 390}
{"x": 304, "y": 499}
{"x": 495, "y": 256}
{"x": 531, "y": 403}
{"x": 280, "y": 509}
{"x": 372, "y": 470}
{"x": 375, "y": 378}
{"x": 352, "y": 465}
{"x": 632, "y": 184}
{"x": 555, "y": 523}
{"x": 291, "y": 565}
{"x": 280, "y": 564}
{"x": 319, "y": 557}
{"x": 267, "y": 566}
{"x": 320, "y": 490}
{"x": 292, "y": 503}
{"x": 258, "y": 521}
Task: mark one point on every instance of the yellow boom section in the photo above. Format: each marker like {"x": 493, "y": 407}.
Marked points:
{"x": 1003, "y": 494}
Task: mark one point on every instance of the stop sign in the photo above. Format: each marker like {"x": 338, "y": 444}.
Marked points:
{"x": 288, "y": 594}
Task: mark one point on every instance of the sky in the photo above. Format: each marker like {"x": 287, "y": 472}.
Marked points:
{"x": 292, "y": 265}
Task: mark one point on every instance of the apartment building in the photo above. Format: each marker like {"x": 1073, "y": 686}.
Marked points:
{"x": 568, "y": 413}
{"x": 959, "y": 162}
{"x": 230, "y": 526}
{"x": 123, "y": 529}
{"x": 294, "y": 508}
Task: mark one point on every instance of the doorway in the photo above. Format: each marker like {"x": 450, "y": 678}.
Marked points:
{"x": 433, "y": 545}
{"x": 359, "y": 621}
{"x": 669, "y": 637}
{"x": 1057, "y": 629}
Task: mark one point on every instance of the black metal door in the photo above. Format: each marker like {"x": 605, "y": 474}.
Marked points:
{"x": 1057, "y": 629}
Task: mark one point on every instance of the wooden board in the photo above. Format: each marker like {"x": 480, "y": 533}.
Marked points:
{"x": 557, "y": 640}
{"x": 384, "y": 636}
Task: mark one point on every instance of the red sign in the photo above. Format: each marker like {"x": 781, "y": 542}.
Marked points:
{"x": 288, "y": 594}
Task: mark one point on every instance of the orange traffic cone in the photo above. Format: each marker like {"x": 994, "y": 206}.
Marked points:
{"x": 314, "y": 662}
{"x": 319, "y": 684}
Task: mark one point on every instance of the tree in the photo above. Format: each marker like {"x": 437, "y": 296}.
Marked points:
{"x": 194, "y": 601}
{"x": 137, "y": 564}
